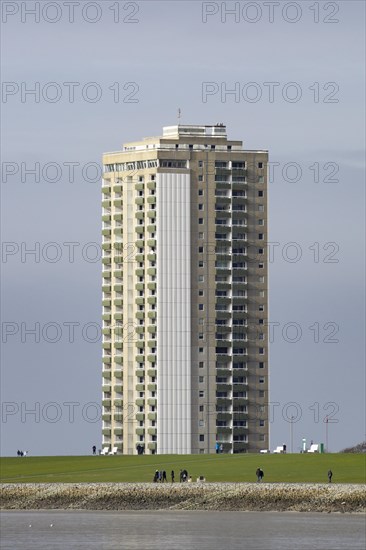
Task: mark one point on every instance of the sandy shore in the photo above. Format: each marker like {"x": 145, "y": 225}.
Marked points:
{"x": 300, "y": 497}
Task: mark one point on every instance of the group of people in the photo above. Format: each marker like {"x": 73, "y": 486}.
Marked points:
{"x": 161, "y": 477}
{"x": 22, "y": 453}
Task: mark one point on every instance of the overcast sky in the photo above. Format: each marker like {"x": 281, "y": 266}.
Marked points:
{"x": 282, "y": 76}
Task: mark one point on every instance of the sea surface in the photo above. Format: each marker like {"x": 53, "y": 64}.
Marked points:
{"x": 170, "y": 530}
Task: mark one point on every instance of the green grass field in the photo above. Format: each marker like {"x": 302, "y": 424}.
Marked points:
{"x": 312, "y": 468}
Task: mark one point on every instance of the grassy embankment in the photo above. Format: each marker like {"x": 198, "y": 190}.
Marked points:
{"x": 290, "y": 468}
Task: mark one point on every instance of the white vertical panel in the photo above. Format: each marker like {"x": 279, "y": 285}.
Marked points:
{"x": 173, "y": 314}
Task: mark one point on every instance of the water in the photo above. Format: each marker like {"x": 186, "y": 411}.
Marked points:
{"x": 181, "y": 530}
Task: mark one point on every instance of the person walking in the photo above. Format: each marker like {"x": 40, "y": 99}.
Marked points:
{"x": 259, "y": 473}
{"x": 330, "y": 475}
{"x": 164, "y": 476}
{"x": 94, "y": 450}
{"x": 172, "y": 476}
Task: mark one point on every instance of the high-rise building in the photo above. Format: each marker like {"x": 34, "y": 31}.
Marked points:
{"x": 185, "y": 295}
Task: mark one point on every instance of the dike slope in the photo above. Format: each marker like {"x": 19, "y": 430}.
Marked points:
{"x": 299, "y": 497}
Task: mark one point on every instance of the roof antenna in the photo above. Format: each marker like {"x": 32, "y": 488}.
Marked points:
{"x": 179, "y": 115}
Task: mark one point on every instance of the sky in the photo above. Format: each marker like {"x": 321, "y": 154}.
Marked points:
{"x": 81, "y": 78}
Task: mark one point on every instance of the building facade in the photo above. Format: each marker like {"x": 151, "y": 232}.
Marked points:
{"x": 185, "y": 295}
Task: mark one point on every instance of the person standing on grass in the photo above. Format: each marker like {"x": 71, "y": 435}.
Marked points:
{"x": 172, "y": 476}
{"x": 330, "y": 475}
{"x": 259, "y": 473}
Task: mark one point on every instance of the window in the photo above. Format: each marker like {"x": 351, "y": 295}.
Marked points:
{"x": 200, "y": 293}
{"x": 260, "y": 222}
{"x": 261, "y": 321}
{"x": 200, "y": 192}
{"x": 260, "y": 266}
{"x": 200, "y": 335}
{"x": 201, "y": 379}
{"x": 201, "y": 365}
{"x": 200, "y": 235}
{"x": 200, "y": 163}
{"x": 261, "y": 423}
{"x": 260, "y": 164}
{"x": 200, "y": 221}
{"x": 200, "y": 250}
{"x": 262, "y": 437}
{"x": 261, "y": 380}
{"x": 201, "y": 408}
{"x": 201, "y": 278}
{"x": 200, "y": 307}
{"x": 201, "y": 423}
{"x": 260, "y": 236}
{"x": 261, "y": 393}
{"x": 260, "y": 194}
{"x": 261, "y": 179}
{"x": 260, "y": 208}
{"x": 200, "y": 178}
{"x": 260, "y": 250}
{"x": 200, "y": 206}
{"x": 202, "y": 437}
{"x": 261, "y": 279}
{"x": 261, "y": 351}
{"x": 201, "y": 393}
{"x": 200, "y": 350}
{"x": 200, "y": 321}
